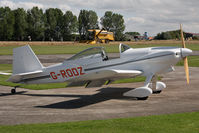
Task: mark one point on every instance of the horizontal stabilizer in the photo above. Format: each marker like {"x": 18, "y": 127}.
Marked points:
{"x": 15, "y": 78}
{"x": 4, "y": 73}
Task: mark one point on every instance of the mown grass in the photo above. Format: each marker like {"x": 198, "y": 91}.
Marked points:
{"x": 73, "y": 48}
{"x": 171, "y": 123}
{"x": 130, "y": 80}
{"x": 193, "y": 61}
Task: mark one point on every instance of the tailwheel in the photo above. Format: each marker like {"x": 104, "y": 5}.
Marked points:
{"x": 142, "y": 98}
{"x": 13, "y": 91}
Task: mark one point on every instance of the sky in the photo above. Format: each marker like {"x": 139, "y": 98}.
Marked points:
{"x": 152, "y": 16}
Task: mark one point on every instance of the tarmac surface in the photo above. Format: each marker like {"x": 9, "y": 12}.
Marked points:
{"x": 78, "y": 103}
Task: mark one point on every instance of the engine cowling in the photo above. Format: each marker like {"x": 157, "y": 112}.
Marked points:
{"x": 139, "y": 92}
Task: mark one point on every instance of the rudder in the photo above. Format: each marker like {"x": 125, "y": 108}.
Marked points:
{"x": 25, "y": 60}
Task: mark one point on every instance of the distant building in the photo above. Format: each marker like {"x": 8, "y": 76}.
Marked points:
{"x": 138, "y": 37}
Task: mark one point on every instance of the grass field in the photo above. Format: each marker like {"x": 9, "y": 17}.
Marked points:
{"x": 193, "y": 61}
{"x": 172, "y": 123}
{"x": 68, "y": 47}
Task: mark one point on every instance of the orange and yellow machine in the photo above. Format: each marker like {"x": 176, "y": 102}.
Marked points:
{"x": 99, "y": 36}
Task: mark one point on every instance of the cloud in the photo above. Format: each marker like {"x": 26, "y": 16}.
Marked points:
{"x": 5, "y": 3}
{"x": 14, "y": 5}
{"x": 140, "y": 15}
{"x": 135, "y": 20}
{"x": 29, "y": 5}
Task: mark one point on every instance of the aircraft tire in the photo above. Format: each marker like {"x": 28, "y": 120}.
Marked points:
{"x": 142, "y": 98}
{"x": 13, "y": 91}
{"x": 157, "y": 92}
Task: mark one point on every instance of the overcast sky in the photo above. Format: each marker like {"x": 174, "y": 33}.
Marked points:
{"x": 152, "y": 16}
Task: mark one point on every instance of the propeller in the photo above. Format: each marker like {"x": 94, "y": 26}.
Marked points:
{"x": 186, "y": 67}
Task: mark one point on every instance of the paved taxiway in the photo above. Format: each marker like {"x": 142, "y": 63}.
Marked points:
{"x": 78, "y": 103}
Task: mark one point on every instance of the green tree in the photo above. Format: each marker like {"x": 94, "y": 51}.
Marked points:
{"x": 168, "y": 35}
{"x": 107, "y": 20}
{"x": 36, "y": 24}
{"x": 20, "y": 24}
{"x": 54, "y": 18}
{"x": 69, "y": 26}
{"x": 87, "y": 20}
{"x": 114, "y": 22}
{"x": 7, "y": 21}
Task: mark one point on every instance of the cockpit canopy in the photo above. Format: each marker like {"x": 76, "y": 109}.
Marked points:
{"x": 90, "y": 53}
{"x": 123, "y": 48}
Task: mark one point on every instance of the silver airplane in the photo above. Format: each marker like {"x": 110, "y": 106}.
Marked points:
{"x": 93, "y": 68}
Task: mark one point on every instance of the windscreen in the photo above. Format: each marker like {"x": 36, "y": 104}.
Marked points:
{"x": 124, "y": 48}
{"x": 90, "y": 52}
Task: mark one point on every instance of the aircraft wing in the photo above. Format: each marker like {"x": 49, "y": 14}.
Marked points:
{"x": 127, "y": 73}
{"x": 99, "y": 78}
{"x": 21, "y": 76}
{"x": 109, "y": 74}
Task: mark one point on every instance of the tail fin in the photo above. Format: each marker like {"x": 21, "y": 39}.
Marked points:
{"x": 25, "y": 60}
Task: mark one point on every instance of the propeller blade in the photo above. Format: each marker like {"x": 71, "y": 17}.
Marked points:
{"x": 186, "y": 68}
{"x": 182, "y": 37}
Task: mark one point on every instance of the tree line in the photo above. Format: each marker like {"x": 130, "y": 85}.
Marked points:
{"x": 175, "y": 34}
{"x": 168, "y": 35}
{"x": 54, "y": 25}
